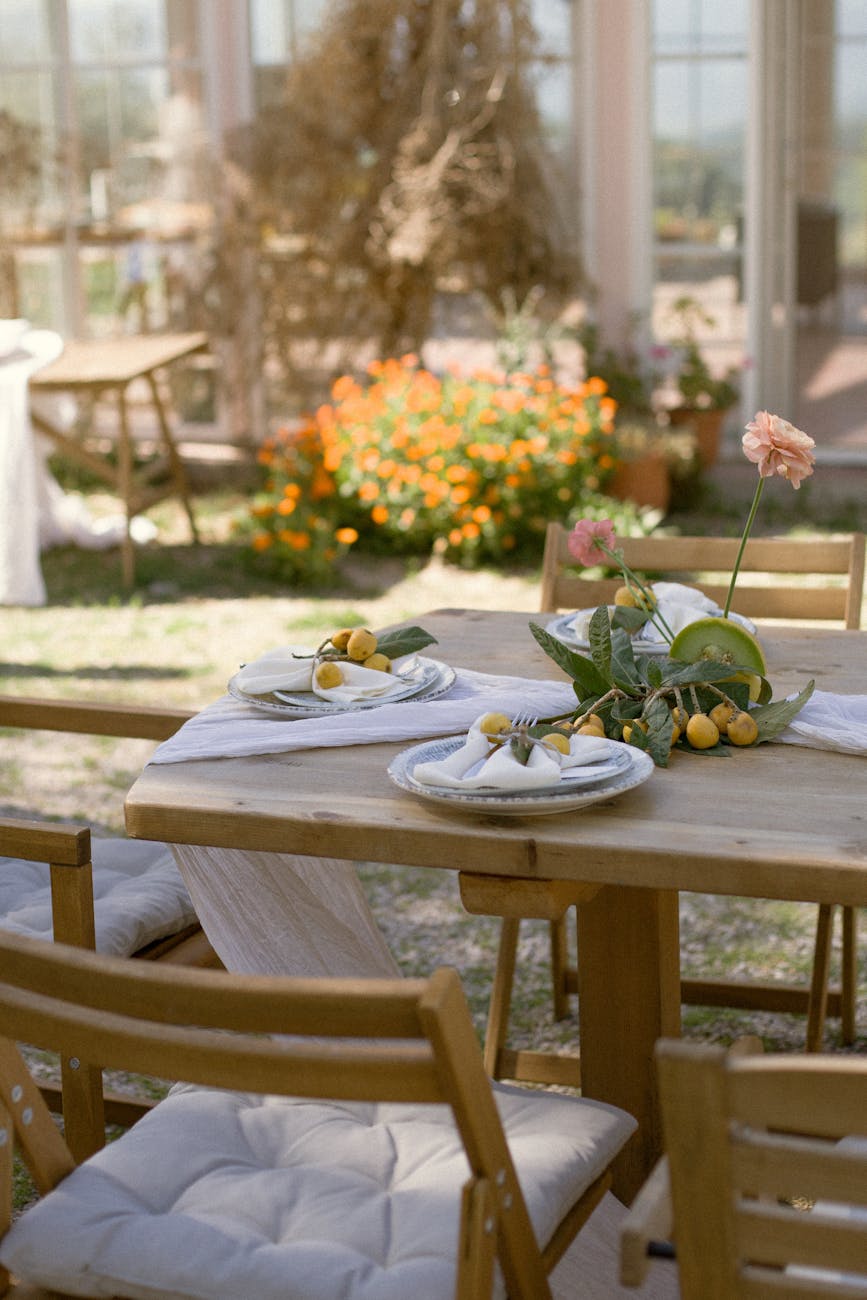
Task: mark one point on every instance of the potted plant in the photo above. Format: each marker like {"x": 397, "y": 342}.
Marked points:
{"x": 704, "y": 398}
{"x": 648, "y": 456}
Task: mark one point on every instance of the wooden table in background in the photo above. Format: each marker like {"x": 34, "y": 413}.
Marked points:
{"x": 777, "y": 821}
{"x": 111, "y": 365}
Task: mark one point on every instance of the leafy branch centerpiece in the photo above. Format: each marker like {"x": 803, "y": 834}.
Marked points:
{"x": 709, "y": 691}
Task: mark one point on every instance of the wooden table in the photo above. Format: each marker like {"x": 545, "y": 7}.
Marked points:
{"x": 111, "y": 365}
{"x": 777, "y": 821}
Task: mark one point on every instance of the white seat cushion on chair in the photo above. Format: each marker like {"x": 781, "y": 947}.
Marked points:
{"x": 218, "y": 1196}
{"x": 138, "y": 896}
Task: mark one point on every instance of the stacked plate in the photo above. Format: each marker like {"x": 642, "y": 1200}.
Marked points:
{"x": 419, "y": 679}
{"x": 577, "y": 787}
{"x": 644, "y": 641}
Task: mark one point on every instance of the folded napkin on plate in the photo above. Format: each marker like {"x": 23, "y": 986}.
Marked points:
{"x": 501, "y": 770}
{"x": 230, "y": 728}
{"x": 829, "y": 721}
{"x": 677, "y": 603}
{"x": 283, "y": 670}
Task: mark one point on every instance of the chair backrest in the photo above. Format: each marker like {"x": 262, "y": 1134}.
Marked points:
{"x": 387, "y": 1040}
{"x": 707, "y": 562}
{"x": 752, "y": 1141}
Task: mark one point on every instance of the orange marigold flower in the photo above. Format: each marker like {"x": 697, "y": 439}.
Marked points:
{"x": 299, "y": 541}
{"x": 262, "y": 511}
{"x": 261, "y": 541}
{"x": 471, "y": 530}
{"x": 457, "y": 473}
{"x": 346, "y": 536}
{"x": 488, "y": 416}
{"x": 410, "y": 360}
{"x": 368, "y": 492}
{"x": 286, "y": 506}
{"x": 460, "y": 494}
{"x": 345, "y": 386}
{"x": 379, "y": 514}
{"x": 482, "y": 514}
{"x": 455, "y": 537}
{"x": 595, "y": 387}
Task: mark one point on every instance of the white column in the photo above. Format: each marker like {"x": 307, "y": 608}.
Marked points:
{"x": 617, "y": 169}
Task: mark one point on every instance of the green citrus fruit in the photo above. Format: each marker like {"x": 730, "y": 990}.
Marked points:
{"x": 720, "y": 640}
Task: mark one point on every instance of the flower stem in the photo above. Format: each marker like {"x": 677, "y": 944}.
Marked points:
{"x": 747, "y": 527}
{"x": 650, "y": 600}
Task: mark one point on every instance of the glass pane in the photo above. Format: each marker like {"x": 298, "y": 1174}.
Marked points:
{"x": 25, "y": 31}
{"x": 552, "y": 21}
{"x": 40, "y": 280}
{"x": 700, "y": 26}
{"x": 553, "y": 86}
{"x": 29, "y": 149}
{"x": 116, "y": 29}
{"x": 851, "y": 17}
{"x": 270, "y": 30}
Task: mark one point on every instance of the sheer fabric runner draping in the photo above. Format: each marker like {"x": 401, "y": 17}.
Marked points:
{"x": 283, "y": 914}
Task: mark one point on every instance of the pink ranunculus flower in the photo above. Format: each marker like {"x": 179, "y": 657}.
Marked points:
{"x": 587, "y": 539}
{"x": 777, "y": 447}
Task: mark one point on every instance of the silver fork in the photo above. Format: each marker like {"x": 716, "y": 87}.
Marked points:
{"x": 524, "y": 719}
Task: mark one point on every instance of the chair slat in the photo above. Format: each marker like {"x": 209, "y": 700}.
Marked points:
{"x": 771, "y": 1234}
{"x": 789, "y": 1168}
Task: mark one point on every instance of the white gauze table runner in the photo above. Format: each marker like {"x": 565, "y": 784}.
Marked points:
{"x": 281, "y": 913}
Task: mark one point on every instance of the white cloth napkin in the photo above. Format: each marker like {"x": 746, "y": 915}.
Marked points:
{"x": 676, "y": 603}
{"x": 277, "y": 670}
{"x": 829, "y": 721}
{"x": 501, "y": 770}
{"x": 231, "y": 729}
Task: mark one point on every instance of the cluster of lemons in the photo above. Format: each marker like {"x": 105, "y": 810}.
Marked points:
{"x": 350, "y": 644}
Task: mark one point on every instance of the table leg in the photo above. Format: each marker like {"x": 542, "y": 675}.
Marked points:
{"x": 125, "y": 487}
{"x": 179, "y": 477}
{"x": 628, "y": 996}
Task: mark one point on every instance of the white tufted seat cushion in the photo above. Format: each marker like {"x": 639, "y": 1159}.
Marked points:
{"x": 230, "y": 1196}
{"x": 138, "y": 896}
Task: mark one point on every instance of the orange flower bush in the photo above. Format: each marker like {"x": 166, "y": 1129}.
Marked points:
{"x": 292, "y": 524}
{"x": 480, "y": 463}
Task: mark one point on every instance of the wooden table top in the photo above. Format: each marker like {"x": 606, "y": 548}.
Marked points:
{"x": 776, "y": 821}
{"x": 100, "y": 363}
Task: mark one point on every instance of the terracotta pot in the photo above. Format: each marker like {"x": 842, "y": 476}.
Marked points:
{"x": 707, "y": 426}
{"x": 645, "y": 481}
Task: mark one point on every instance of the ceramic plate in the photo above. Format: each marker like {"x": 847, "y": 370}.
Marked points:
{"x": 561, "y": 627}
{"x": 424, "y": 679}
{"x": 631, "y": 768}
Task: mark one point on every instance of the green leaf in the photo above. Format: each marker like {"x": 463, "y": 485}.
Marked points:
{"x": 771, "y": 719}
{"x": 676, "y": 673}
{"x": 630, "y": 617}
{"x": 599, "y": 636}
{"x": 660, "y": 729}
{"x": 624, "y": 670}
{"x": 403, "y": 641}
{"x": 586, "y": 676}
{"x": 651, "y": 671}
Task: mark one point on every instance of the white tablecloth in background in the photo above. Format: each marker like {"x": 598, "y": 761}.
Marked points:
{"x": 35, "y": 512}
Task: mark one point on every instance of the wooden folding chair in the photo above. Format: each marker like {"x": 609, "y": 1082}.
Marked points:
{"x": 702, "y": 562}
{"x": 382, "y": 1161}
{"x": 142, "y": 908}
{"x": 763, "y": 1189}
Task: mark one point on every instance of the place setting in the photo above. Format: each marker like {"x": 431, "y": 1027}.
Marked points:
{"x": 353, "y": 669}
{"x": 518, "y": 766}
{"x": 672, "y": 607}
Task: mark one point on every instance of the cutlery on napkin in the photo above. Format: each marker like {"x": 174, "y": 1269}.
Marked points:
{"x": 280, "y": 670}
{"x": 477, "y": 765}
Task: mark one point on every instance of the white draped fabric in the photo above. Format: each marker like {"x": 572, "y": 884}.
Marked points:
{"x": 35, "y": 512}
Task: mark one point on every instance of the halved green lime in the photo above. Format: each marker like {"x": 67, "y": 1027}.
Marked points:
{"x": 721, "y": 640}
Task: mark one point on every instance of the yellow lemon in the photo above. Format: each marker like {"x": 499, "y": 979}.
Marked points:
{"x": 701, "y": 732}
{"x": 328, "y": 674}
{"x": 492, "y": 724}
{"x": 742, "y": 730}
{"x": 361, "y": 644}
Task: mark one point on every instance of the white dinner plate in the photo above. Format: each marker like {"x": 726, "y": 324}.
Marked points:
{"x": 423, "y": 678}
{"x": 631, "y": 768}
{"x": 562, "y": 628}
